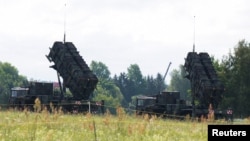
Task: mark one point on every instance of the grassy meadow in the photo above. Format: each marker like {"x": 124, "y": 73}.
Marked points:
{"x": 59, "y": 126}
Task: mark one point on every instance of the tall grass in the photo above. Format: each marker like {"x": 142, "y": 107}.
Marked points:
{"x": 59, "y": 126}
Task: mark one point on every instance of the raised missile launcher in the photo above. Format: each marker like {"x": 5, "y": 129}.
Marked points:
{"x": 76, "y": 74}
{"x": 77, "y": 77}
{"x": 206, "y": 87}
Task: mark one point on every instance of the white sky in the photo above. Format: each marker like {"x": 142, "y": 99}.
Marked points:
{"x": 150, "y": 33}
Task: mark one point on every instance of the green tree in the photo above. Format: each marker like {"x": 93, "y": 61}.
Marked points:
{"x": 236, "y": 77}
{"x": 131, "y": 83}
{"x": 106, "y": 88}
{"x": 179, "y": 83}
{"x": 136, "y": 81}
{"x": 152, "y": 85}
{"x": 9, "y": 78}
{"x": 122, "y": 82}
{"x": 159, "y": 83}
{"x": 101, "y": 70}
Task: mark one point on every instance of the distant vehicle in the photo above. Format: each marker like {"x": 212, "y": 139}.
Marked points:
{"x": 166, "y": 104}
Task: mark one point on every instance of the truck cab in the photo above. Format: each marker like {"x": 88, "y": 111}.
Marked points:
{"x": 17, "y": 96}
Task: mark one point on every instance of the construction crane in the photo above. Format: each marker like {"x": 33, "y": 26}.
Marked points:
{"x": 165, "y": 76}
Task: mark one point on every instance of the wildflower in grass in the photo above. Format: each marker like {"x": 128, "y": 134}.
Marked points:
{"x": 107, "y": 117}
{"x": 89, "y": 115}
{"x": 37, "y": 106}
{"x": 91, "y": 126}
{"x": 130, "y": 129}
{"x": 120, "y": 112}
{"x": 52, "y": 107}
{"x": 45, "y": 112}
{"x": 142, "y": 128}
{"x": 60, "y": 110}
{"x": 146, "y": 117}
{"x": 210, "y": 113}
{"x": 25, "y": 110}
{"x": 203, "y": 119}
{"x": 187, "y": 117}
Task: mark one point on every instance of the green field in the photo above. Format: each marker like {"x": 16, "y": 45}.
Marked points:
{"x": 58, "y": 126}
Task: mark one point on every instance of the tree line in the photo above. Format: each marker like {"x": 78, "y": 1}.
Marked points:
{"x": 121, "y": 89}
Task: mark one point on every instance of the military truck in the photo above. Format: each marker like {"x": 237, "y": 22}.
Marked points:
{"x": 166, "y": 104}
{"x": 76, "y": 76}
{"x": 206, "y": 88}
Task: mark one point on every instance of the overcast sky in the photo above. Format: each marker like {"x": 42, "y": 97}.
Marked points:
{"x": 118, "y": 33}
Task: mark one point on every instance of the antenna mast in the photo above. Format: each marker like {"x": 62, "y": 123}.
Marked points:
{"x": 194, "y": 36}
{"x": 64, "y": 34}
